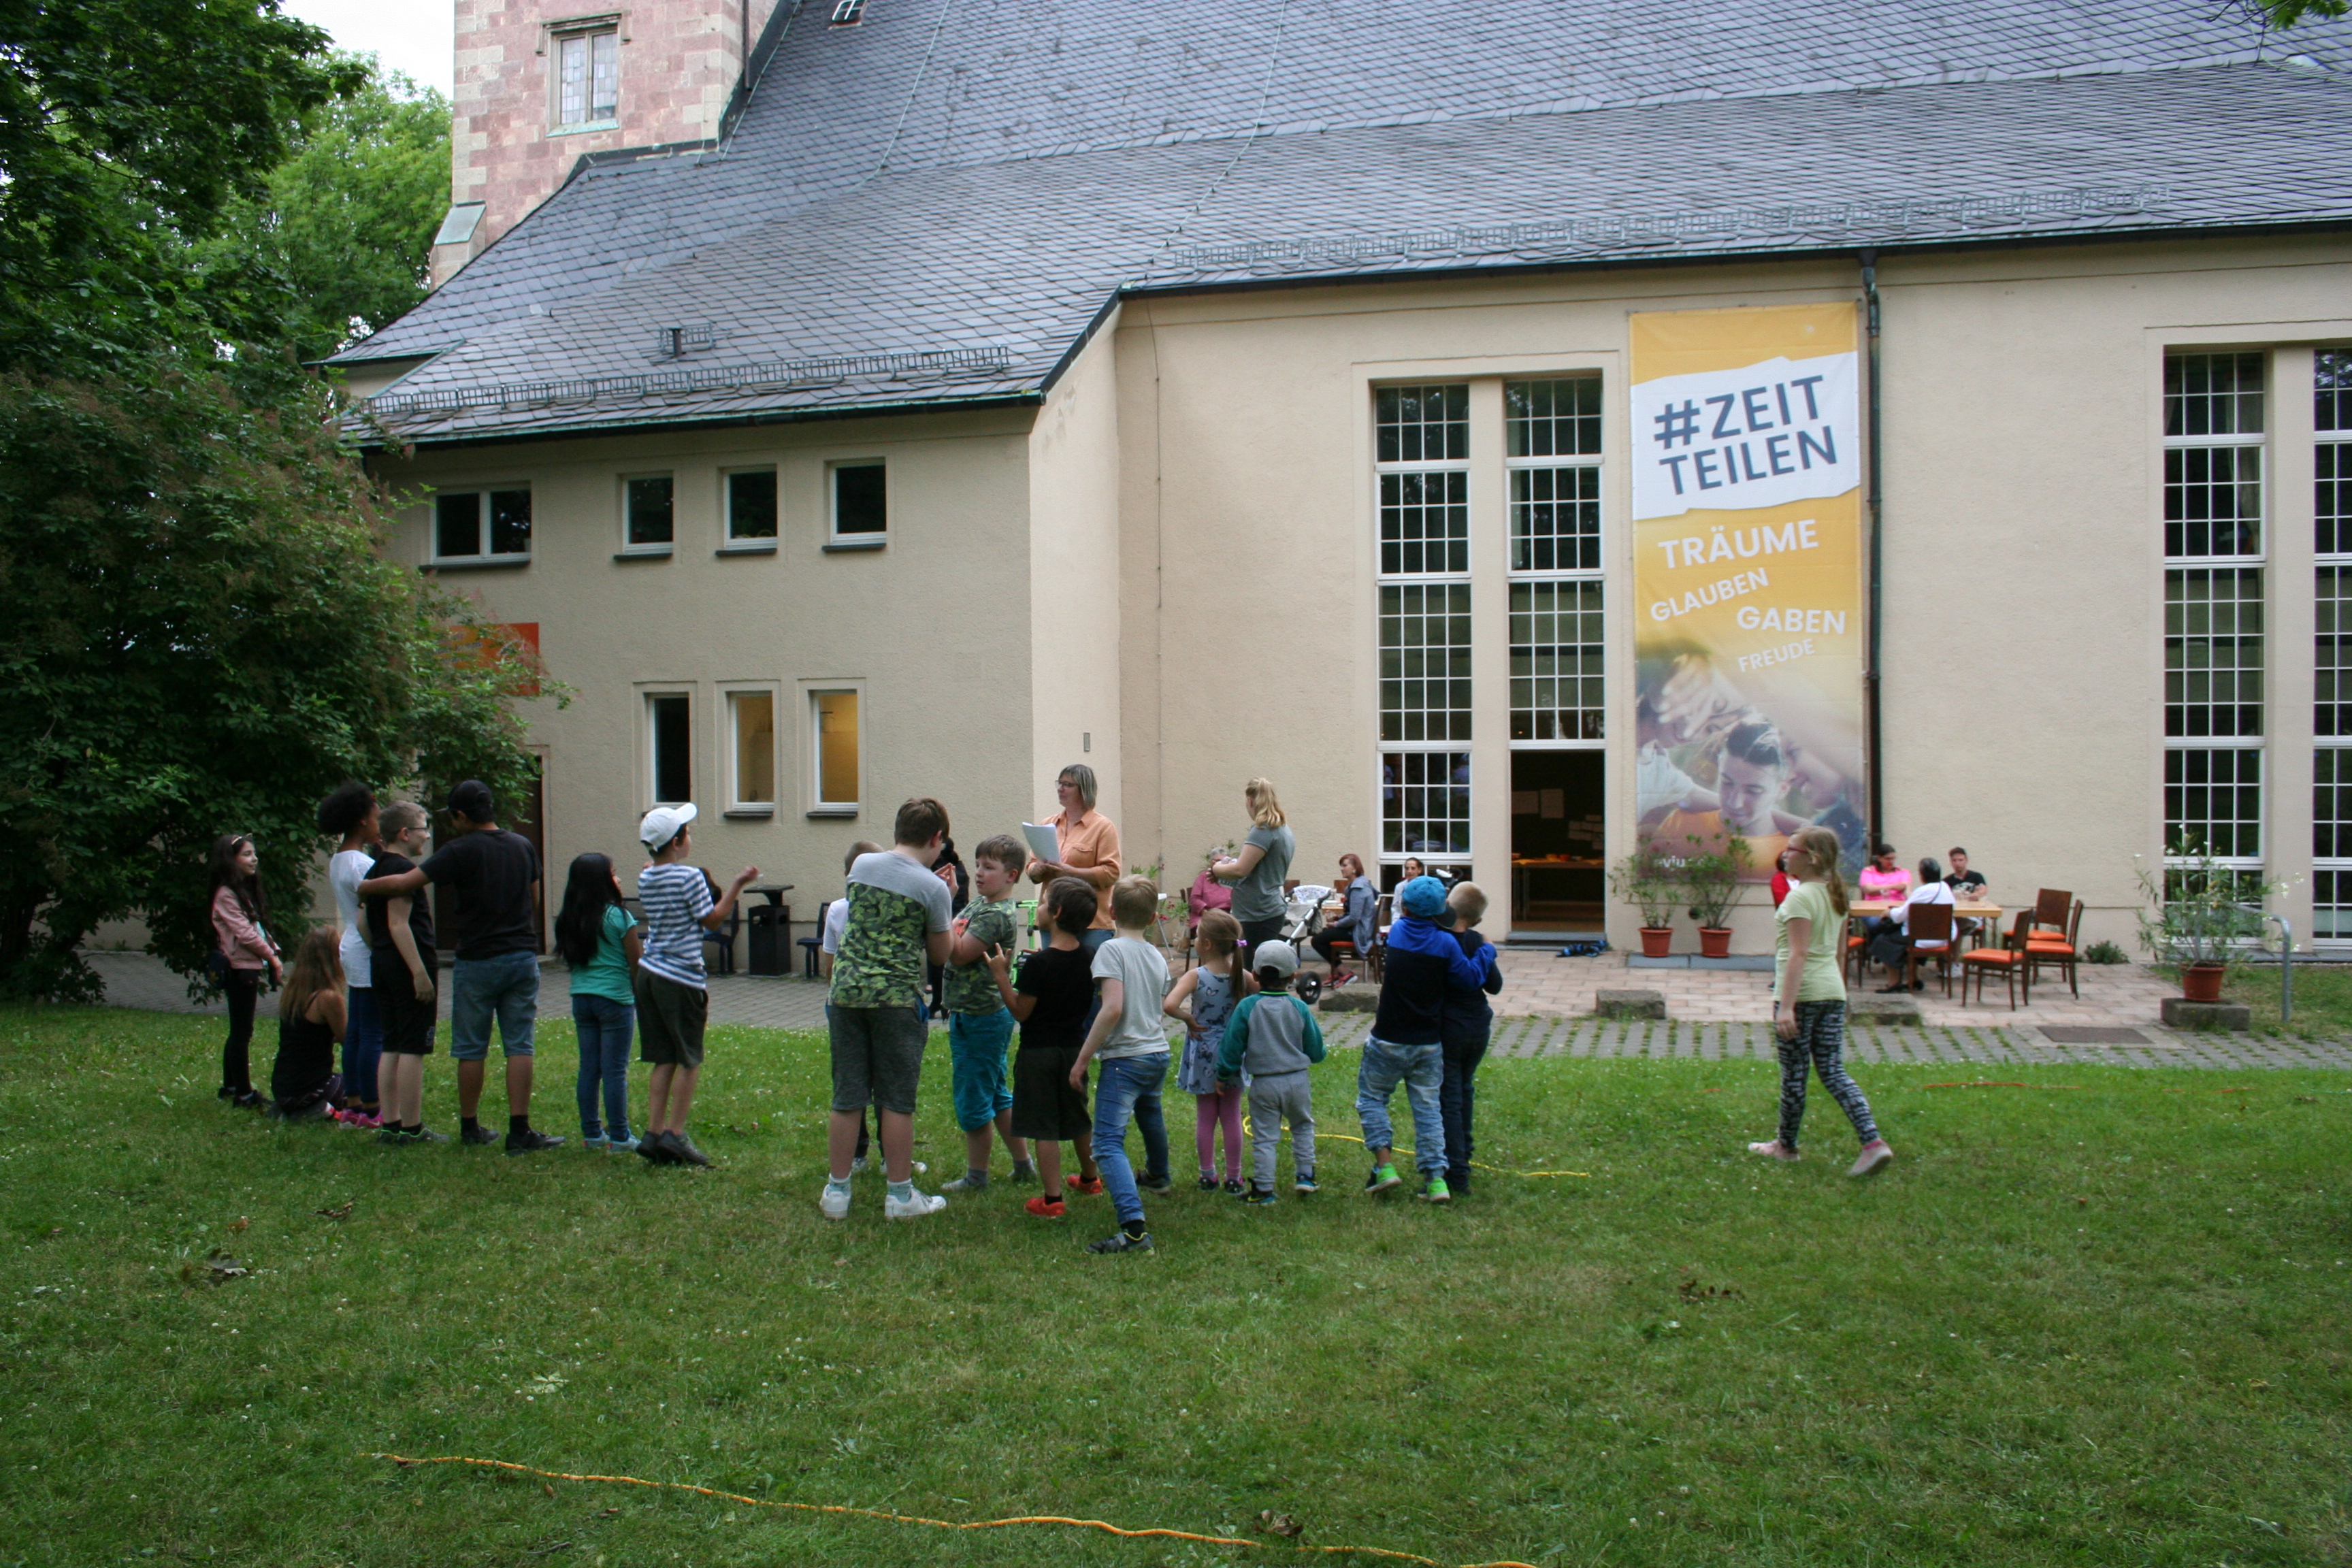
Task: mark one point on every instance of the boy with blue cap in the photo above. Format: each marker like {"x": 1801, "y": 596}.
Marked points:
{"x": 1406, "y": 1044}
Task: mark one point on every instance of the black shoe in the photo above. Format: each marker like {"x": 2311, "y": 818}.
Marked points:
{"x": 531, "y": 1140}
{"x": 682, "y": 1151}
{"x": 1120, "y": 1241}
{"x": 1156, "y": 1184}
{"x": 225, "y": 1091}
{"x": 477, "y": 1134}
{"x": 248, "y": 1100}
{"x": 423, "y": 1134}
{"x": 653, "y": 1148}
{"x": 1208, "y": 1184}
{"x": 1235, "y": 1188}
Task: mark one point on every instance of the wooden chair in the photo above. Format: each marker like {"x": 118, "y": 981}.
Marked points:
{"x": 2062, "y": 947}
{"x": 2049, "y": 909}
{"x": 1932, "y": 923}
{"x": 2009, "y": 958}
{"x": 1857, "y": 955}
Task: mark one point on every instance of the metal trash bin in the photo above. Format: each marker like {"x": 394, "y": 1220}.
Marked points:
{"x": 770, "y": 940}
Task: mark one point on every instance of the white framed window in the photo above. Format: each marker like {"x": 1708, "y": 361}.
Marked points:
{"x": 648, "y": 513}
{"x": 1420, "y": 452}
{"x": 750, "y": 759}
{"x": 860, "y": 499}
{"x": 588, "y": 80}
{"x": 482, "y": 526}
{"x": 751, "y": 505}
{"x": 2331, "y": 717}
{"x": 837, "y": 734}
{"x": 1552, "y": 462}
{"x": 670, "y": 747}
{"x": 2214, "y": 587}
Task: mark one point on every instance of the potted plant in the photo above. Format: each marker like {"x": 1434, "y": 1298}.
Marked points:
{"x": 1644, "y": 881}
{"x": 1711, "y": 879}
{"x": 2199, "y": 916}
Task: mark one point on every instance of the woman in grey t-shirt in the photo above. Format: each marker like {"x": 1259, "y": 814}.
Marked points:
{"x": 1258, "y": 871}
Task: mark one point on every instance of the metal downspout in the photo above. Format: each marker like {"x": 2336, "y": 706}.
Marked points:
{"x": 1870, "y": 675}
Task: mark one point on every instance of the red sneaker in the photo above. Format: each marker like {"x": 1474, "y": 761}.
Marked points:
{"x": 1045, "y": 1207}
{"x": 1088, "y": 1189}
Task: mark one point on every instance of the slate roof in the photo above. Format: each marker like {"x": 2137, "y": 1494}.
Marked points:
{"x": 932, "y": 207}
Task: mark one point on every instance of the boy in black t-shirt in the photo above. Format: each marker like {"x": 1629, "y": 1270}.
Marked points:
{"x": 1056, "y": 992}
{"x": 400, "y": 941}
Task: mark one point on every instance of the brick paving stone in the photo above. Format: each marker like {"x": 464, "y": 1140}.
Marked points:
{"x": 1710, "y": 1015}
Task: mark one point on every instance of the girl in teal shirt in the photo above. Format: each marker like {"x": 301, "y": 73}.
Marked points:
{"x": 600, "y": 940}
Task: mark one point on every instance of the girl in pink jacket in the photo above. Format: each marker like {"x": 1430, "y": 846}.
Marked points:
{"x": 239, "y": 909}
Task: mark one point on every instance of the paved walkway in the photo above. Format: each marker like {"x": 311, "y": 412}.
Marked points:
{"x": 1546, "y": 1008}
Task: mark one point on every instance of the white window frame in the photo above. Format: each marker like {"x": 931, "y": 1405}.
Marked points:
{"x": 2259, "y": 560}
{"x": 481, "y": 494}
{"x": 810, "y": 690}
{"x": 2341, "y": 745}
{"x": 629, "y": 546}
{"x": 730, "y": 542}
{"x": 731, "y": 752}
{"x": 1595, "y": 463}
{"x": 834, "y": 535}
{"x": 584, "y": 35}
{"x": 649, "y": 741}
{"x": 1458, "y": 863}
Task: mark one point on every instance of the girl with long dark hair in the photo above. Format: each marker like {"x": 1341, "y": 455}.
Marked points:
{"x": 600, "y": 940}
{"x": 311, "y": 1016}
{"x": 239, "y": 912}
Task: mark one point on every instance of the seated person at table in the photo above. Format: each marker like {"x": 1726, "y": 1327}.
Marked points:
{"x": 1894, "y": 947}
{"x": 1752, "y": 773}
{"x": 1968, "y": 886}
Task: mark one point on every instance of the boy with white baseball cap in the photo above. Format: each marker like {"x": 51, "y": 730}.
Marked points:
{"x": 673, "y": 999}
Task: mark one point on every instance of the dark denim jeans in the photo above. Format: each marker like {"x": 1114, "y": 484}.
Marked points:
{"x": 1125, "y": 1087}
{"x": 604, "y": 1027}
{"x": 1458, "y": 1104}
{"x": 362, "y": 1045}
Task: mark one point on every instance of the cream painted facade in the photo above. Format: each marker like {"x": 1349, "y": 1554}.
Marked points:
{"x": 1167, "y": 569}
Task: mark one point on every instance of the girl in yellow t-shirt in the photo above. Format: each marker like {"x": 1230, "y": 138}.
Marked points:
{"x": 1808, "y": 1000}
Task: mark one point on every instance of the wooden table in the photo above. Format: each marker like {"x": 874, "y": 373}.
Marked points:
{"x": 1867, "y": 908}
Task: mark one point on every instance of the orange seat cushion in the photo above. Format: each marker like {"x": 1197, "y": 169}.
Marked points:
{"x": 1988, "y": 956}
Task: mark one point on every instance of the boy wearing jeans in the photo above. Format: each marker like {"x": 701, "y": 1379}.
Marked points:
{"x": 980, "y": 1025}
{"x": 897, "y": 927}
{"x": 1274, "y": 1035}
{"x": 1132, "y": 1044}
{"x": 1406, "y": 1042}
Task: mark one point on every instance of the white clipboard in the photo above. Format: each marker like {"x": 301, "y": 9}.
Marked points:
{"x": 1043, "y": 844}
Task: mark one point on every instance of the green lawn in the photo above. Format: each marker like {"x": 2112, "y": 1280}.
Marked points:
{"x": 2103, "y": 1323}
{"x": 2323, "y": 998}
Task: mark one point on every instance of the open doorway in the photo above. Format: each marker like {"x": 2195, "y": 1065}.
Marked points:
{"x": 1557, "y": 876}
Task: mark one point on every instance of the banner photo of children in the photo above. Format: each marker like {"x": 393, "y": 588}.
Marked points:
{"x": 1748, "y": 579}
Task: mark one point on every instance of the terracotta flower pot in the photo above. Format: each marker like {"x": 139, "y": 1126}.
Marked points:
{"x": 1657, "y": 942}
{"x": 2202, "y": 982}
{"x": 1715, "y": 942}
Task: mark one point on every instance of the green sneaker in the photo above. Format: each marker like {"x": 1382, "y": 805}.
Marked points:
{"x": 1433, "y": 1191}
{"x": 1383, "y": 1177}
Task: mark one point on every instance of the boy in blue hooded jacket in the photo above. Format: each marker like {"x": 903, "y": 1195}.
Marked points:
{"x": 1406, "y": 1044}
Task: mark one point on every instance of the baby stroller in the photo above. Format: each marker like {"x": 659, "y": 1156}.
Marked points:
{"x": 1302, "y": 917}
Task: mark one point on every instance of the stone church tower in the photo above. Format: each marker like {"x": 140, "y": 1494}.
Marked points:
{"x": 542, "y": 84}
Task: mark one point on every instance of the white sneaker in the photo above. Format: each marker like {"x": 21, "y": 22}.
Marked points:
{"x": 834, "y": 1203}
{"x": 914, "y": 1206}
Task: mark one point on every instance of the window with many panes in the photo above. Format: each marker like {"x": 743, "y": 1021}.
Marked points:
{"x": 1421, "y": 453}
{"x": 1551, "y": 437}
{"x": 2331, "y": 717}
{"x": 587, "y": 79}
{"x": 2213, "y": 589}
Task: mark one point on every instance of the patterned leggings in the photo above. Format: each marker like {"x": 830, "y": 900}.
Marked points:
{"x": 1820, "y": 1044}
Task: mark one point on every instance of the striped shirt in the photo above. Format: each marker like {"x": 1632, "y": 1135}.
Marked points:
{"x": 677, "y": 896}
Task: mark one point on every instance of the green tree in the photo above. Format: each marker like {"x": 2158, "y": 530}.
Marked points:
{"x": 339, "y": 240}
{"x": 2287, "y": 13}
{"x": 128, "y": 129}
{"x": 199, "y": 633}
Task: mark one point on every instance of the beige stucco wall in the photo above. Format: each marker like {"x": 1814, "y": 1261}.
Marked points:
{"x": 933, "y": 630}
{"x": 2023, "y": 657}
{"x": 1074, "y": 604}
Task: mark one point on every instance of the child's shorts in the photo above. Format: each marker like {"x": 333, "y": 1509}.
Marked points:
{"x": 1044, "y": 1106}
{"x": 408, "y": 1023}
{"x": 978, "y": 1044}
{"x": 671, "y": 1020}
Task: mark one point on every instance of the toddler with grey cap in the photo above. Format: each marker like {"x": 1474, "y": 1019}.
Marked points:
{"x": 1273, "y": 1038}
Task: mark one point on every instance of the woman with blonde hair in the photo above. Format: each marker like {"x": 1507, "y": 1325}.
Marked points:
{"x": 1808, "y": 1000}
{"x": 1258, "y": 871}
{"x": 311, "y": 1019}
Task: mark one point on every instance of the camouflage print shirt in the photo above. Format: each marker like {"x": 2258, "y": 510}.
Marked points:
{"x": 894, "y": 904}
{"x": 971, "y": 988}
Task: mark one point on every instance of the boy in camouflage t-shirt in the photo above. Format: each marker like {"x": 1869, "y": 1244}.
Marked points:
{"x": 980, "y": 1027}
{"x": 898, "y": 927}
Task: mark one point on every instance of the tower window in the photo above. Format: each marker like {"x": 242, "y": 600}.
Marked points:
{"x": 588, "y": 77}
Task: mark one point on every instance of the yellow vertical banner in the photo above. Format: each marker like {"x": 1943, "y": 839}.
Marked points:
{"x": 1748, "y": 578}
